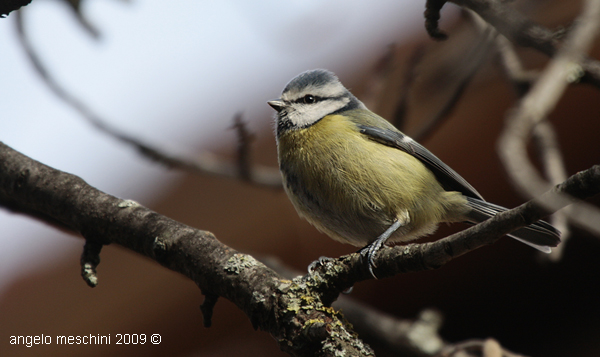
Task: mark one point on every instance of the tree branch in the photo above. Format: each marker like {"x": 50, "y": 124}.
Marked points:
{"x": 483, "y": 348}
{"x": 544, "y": 136}
{"x": 555, "y": 170}
{"x": 535, "y": 107}
{"x": 295, "y": 312}
{"x": 520, "y": 30}
{"x": 339, "y": 274}
{"x": 432, "y": 17}
{"x": 402, "y": 337}
{"x": 289, "y": 310}
{"x": 473, "y": 61}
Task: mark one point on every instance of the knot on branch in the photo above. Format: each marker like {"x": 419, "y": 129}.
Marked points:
{"x": 160, "y": 248}
{"x": 207, "y": 307}
{"x": 90, "y": 258}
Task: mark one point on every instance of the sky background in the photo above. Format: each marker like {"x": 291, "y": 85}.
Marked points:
{"x": 173, "y": 76}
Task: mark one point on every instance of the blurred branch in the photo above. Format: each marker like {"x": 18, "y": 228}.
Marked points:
{"x": 399, "y": 117}
{"x": 544, "y": 136}
{"x": 533, "y": 109}
{"x": 75, "y": 6}
{"x": 394, "y": 78}
{"x": 243, "y": 148}
{"x": 473, "y": 61}
{"x": 483, "y": 348}
{"x": 388, "y": 84}
{"x": 7, "y": 6}
{"x": 515, "y": 26}
{"x": 569, "y": 65}
{"x": 554, "y": 167}
{"x": 203, "y": 163}
{"x": 520, "y": 78}
{"x": 519, "y": 29}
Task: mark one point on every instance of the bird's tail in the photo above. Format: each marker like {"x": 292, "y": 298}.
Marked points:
{"x": 540, "y": 235}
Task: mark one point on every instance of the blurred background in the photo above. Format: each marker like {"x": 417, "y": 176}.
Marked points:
{"x": 175, "y": 76}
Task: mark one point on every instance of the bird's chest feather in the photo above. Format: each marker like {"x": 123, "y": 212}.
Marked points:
{"x": 330, "y": 168}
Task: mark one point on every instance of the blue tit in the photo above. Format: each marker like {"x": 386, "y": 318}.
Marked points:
{"x": 357, "y": 178}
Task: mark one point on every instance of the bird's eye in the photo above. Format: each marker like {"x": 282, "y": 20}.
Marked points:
{"x": 309, "y": 99}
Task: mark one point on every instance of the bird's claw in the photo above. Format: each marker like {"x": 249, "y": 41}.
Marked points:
{"x": 368, "y": 253}
{"x": 321, "y": 261}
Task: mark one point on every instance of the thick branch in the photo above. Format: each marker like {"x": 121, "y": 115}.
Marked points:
{"x": 402, "y": 337}
{"x": 295, "y": 312}
{"x": 288, "y": 310}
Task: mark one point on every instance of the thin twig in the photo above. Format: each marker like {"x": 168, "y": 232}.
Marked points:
{"x": 387, "y": 87}
{"x": 474, "y": 59}
{"x": 90, "y": 258}
{"x": 75, "y": 6}
{"x": 399, "y": 116}
{"x": 244, "y": 139}
{"x": 207, "y": 308}
{"x": 520, "y": 78}
{"x": 203, "y": 163}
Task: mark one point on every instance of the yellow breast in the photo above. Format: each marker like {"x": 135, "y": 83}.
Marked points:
{"x": 351, "y": 187}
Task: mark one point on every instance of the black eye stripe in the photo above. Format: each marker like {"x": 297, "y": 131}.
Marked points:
{"x": 314, "y": 99}
{"x": 317, "y": 98}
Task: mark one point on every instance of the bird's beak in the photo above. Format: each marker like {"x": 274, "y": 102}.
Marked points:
{"x": 277, "y": 104}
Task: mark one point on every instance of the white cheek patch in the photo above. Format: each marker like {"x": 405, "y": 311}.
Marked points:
{"x": 304, "y": 115}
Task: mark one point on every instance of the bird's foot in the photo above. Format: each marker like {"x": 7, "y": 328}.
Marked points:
{"x": 368, "y": 255}
{"x": 321, "y": 261}
{"x": 371, "y": 250}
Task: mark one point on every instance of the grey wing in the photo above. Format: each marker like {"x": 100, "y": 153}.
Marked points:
{"x": 448, "y": 178}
